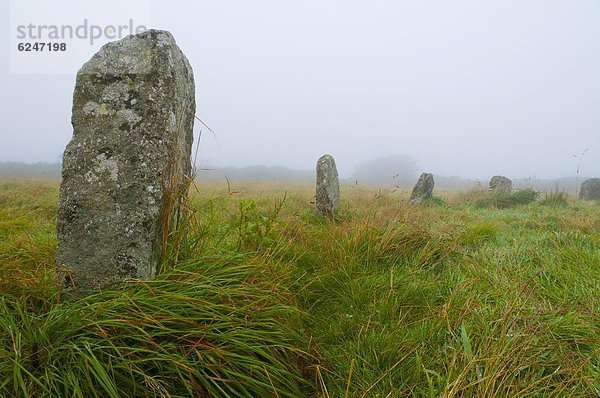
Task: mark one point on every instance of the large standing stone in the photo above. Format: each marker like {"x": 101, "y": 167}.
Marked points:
{"x": 328, "y": 186}
{"x": 423, "y": 189}
{"x": 500, "y": 184}
{"x": 590, "y": 189}
{"x": 127, "y": 166}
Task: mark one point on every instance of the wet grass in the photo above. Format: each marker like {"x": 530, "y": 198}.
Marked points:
{"x": 262, "y": 298}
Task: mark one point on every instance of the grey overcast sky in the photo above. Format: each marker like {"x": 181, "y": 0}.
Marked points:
{"x": 466, "y": 87}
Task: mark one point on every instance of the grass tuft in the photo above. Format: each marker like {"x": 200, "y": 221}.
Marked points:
{"x": 501, "y": 200}
{"x": 556, "y": 198}
{"x": 203, "y": 329}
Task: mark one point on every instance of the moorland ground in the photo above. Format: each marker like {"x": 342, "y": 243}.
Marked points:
{"x": 468, "y": 295}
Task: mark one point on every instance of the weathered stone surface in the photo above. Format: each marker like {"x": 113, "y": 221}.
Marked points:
{"x": 328, "y": 186}
{"x": 590, "y": 189}
{"x": 128, "y": 163}
{"x": 500, "y": 184}
{"x": 423, "y": 189}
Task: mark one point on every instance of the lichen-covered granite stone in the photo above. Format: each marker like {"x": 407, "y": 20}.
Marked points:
{"x": 328, "y": 186}
{"x": 590, "y": 189}
{"x": 127, "y": 166}
{"x": 423, "y": 189}
{"x": 500, "y": 184}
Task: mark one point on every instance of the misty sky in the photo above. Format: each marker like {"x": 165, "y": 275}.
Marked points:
{"x": 467, "y": 87}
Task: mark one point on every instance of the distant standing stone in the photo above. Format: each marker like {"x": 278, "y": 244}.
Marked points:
{"x": 500, "y": 184}
{"x": 128, "y": 163}
{"x": 590, "y": 189}
{"x": 328, "y": 186}
{"x": 423, "y": 189}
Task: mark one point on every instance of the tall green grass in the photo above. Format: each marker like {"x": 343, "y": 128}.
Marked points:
{"x": 208, "y": 325}
{"x": 556, "y": 198}
{"x": 202, "y": 329}
{"x": 259, "y": 297}
{"x": 503, "y": 200}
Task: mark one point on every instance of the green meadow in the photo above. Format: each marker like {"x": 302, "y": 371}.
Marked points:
{"x": 467, "y": 295}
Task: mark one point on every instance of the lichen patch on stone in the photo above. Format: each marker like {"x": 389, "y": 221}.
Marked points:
{"x": 129, "y": 116}
{"x": 115, "y": 93}
{"x": 106, "y": 165}
{"x": 91, "y": 108}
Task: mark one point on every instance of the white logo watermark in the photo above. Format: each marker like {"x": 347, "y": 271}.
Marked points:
{"x": 58, "y": 36}
{"x": 85, "y": 30}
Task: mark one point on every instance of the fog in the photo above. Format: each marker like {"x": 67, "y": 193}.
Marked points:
{"x": 466, "y": 88}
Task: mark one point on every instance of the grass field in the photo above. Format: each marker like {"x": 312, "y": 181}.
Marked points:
{"x": 466, "y": 296}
